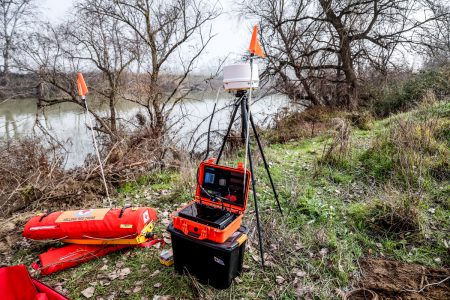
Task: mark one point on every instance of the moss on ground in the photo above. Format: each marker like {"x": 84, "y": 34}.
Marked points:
{"x": 334, "y": 214}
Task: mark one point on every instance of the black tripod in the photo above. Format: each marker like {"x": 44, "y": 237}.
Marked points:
{"x": 242, "y": 103}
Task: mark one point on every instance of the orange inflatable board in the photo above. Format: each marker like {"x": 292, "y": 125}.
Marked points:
{"x": 58, "y": 259}
{"x": 93, "y": 226}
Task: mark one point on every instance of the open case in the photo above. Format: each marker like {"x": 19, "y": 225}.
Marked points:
{"x": 220, "y": 201}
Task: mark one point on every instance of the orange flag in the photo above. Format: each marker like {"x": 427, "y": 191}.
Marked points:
{"x": 82, "y": 88}
{"x": 255, "y": 47}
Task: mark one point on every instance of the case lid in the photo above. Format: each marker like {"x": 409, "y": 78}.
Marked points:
{"x": 222, "y": 187}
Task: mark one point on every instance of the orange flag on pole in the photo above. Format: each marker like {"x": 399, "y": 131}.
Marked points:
{"x": 255, "y": 47}
{"x": 82, "y": 88}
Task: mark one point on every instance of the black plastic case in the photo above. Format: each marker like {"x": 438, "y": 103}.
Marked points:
{"x": 212, "y": 263}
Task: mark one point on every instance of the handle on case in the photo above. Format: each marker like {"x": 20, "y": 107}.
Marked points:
{"x": 202, "y": 236}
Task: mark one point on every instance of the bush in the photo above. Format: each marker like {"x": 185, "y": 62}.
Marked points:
{"x": 363, "y": 120}
{"x": 338, "y": 151}
{"x": 291, "y": 125}
{"x": 391, "y": 214}
{"x": 411, "y": 152}
{"x": 405, "y": 95}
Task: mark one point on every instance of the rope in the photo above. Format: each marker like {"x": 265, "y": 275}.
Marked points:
{"x": 96, "y": 150}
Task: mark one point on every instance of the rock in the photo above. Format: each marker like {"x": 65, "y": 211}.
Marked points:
{"x": 137, "y": 289}
{"x": 237, "y": 280}
{"x": 104, "y": 268}
{"x": 89, "y": 292}
{"x": 157, "y": 285}
{"x": 155, "y": 273}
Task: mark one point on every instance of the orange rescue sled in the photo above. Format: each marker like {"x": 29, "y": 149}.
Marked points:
{"x": 125, "y": 226}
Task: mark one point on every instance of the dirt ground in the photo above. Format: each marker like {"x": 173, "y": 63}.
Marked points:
{"x": 388, "y": 279}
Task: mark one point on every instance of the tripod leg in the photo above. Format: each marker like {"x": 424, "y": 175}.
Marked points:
{"x": 258, "y": 224}
{"x": 233, "y": 116}
{"x": 244, "y": 107}
{"x": 266, "y": 165}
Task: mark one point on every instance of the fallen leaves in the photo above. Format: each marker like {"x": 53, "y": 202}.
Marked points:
{"x": 89, "y": 292}
{"x": 279, "y": 279}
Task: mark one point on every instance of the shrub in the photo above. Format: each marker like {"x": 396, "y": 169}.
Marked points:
{"x": 363, "y": 120}
{"x": 338, "y": 151}
{"x": 395, "y": 214}
{"x": 291, "y": 125}
{"x": 410, "y": 152}
{"x": 407, "y": 94}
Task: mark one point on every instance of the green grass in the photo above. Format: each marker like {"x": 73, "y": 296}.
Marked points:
{"x": 333, "y": 216}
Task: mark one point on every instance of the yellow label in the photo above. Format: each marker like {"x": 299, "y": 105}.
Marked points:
{"x": 82, "y": 215}
{"x": 241, "y": 239}
{"x": 126, "y": 225}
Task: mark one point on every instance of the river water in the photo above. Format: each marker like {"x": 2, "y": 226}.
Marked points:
{"x": 67, "y": 122}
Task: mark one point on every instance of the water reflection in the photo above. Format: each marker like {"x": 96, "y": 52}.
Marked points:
{"x": 67, "y": 122}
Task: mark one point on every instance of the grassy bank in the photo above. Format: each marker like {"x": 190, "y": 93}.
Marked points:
{"x": 347, "y": 194}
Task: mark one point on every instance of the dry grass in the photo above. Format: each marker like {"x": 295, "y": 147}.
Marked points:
{"x": 301, "y": 124}
{"x": 396, "y": 213}
{"x": 338, "y": 151}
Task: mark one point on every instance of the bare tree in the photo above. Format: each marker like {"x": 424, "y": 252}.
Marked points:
{"x": 49, "y": 54}
{"x": 103, "y": 42}
{"x": 173, "y": 36}
{"x": 436, "y": 40}
{"x": 14, "y": 17}
{"x": 99, "y": 44}
{"x": 314, "y": 44}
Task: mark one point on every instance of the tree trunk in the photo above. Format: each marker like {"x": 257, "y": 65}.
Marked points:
{"x": 6, "y": 56}
{"x": 350, "y": 76}
{"x": 112, "y": 111}
{"x": 345, "y": 53}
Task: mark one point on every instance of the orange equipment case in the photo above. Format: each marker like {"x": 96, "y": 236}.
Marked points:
{"x": 219, "y": 204}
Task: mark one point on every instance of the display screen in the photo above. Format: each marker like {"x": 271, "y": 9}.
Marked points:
{"x": 223, "y": 185}
{"x": 209, "y": 178}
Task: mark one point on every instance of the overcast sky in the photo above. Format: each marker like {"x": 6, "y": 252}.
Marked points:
{"x": 232, "y": 33}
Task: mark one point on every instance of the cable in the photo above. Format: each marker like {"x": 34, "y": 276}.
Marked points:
{"x": 210, "y": 122}
{"x": 247, "y": 134}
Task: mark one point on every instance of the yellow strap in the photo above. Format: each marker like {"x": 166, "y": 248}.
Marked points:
{"x": 98, "y": 241}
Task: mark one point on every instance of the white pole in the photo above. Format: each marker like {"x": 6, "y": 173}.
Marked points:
{"x": 96, "y": 149}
